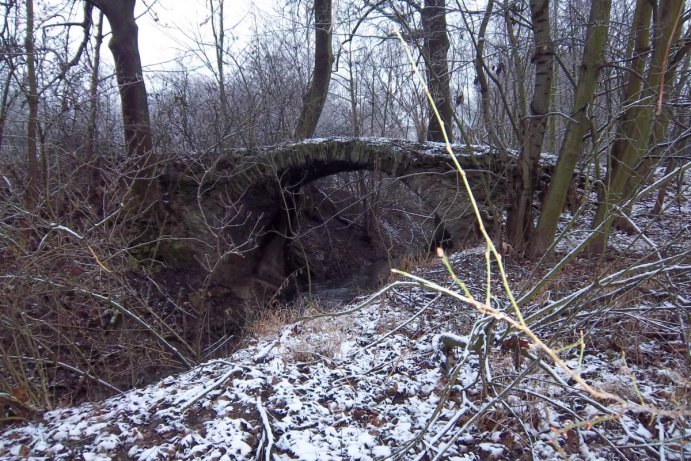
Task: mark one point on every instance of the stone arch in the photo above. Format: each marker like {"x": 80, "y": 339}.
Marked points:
{"x": 425, "y": 168}
{"x": 256, "y": 178}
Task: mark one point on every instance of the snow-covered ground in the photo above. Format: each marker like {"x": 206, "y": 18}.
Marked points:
{"x": 366, "y": 386}
{"x": 393, "y": 379}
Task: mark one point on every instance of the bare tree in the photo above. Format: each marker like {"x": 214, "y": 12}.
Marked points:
{"x": 520, "y": 225}
{"x": 34, "y": 175}
{"x": 481, "y": 73}
{"x": 313, "y": 101}
{"x": 218, "y": 31}
{"x": 436, "y": 46}
{"x": 10, "y": 49}
{"x": 578, "y": 124}
{"x": 93, "y": 91}
{"x": 634, "y": 134}
{"x": 133, "y": 97}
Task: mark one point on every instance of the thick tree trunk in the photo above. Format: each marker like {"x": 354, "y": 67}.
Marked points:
{"x": 638, "y": 49}
{"x": 635, "y": 132}
{"x": 672, "y": 90}
{"x": 436, "y": 46}
{"x": 124, "y": 45}
{"x": 671, "y": 157}
{"x": 314, "y": 99}
{"x": 575, "y": 130}
{"x": 520, "y": 223}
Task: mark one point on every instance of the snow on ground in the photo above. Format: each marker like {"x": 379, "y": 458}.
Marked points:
{"x": 671, "y": 230}
{"x": 360, "y": 386}
{"x": 381, "y": 382}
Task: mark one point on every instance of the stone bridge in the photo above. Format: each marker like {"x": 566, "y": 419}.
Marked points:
{"x": 231, "y": 214}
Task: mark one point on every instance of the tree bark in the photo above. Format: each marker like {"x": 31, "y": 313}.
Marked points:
{"x": 34, "y": 178}
{"x": 314, "y": 99}
{"x": 5, "y": 103}
{"x": 638, "y": 49}
{"x": 93, "y": 92}
{"x": 124, "y": 45}
{"x": 635, "y": 132}
{"x": 5, "y": 100}
{"x": 520, "y": 225}
{"x": 353, "y": 94}
{"x": 572, "y": 145}
{"x": 671, "y": 89}
{"x": 219, "y": 39}
{"x": 519, "y": 67}
{"x": 671, "y": 159}
{"x": 436, "y": 45}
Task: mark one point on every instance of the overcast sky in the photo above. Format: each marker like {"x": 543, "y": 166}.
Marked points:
{"x": 170, "y": 28}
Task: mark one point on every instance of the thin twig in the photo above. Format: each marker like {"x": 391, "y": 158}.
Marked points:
{"x": 208, "y": 389}
{"x": 268, "y": 434}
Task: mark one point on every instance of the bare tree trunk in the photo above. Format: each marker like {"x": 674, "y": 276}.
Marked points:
{"x": 93, "y": 92}
{"x": 34, "y": 178}
{"x": 219, "y": 39}
{"x": 491, "y": 114}
{"x": 671, "y": 89}
{"x": 11, "y": 68}
{"x": 436, "y": 45}
{"x": 124, "y": 45}
{"x": 314, "y": 99}
{"x": 671, "y": 159}
{"x": 638, "y": 47}
{"x": 635, "y": 133}
{"x": 575, "y": 130}
{"x": 481, "y": 76}
{"x": 552, "y": 124}
{"x": 519, "y": 66}
{"x": 7, "y": 85}
{"x": 352, "y": 90}
{"x": 520, "y": 225}
{"x": 5, "y": 102}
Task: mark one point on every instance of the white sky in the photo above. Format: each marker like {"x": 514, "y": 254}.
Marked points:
{"x": 169, "y": 28}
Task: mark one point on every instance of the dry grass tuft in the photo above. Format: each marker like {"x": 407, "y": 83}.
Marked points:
{"x": 269, "y": 322}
